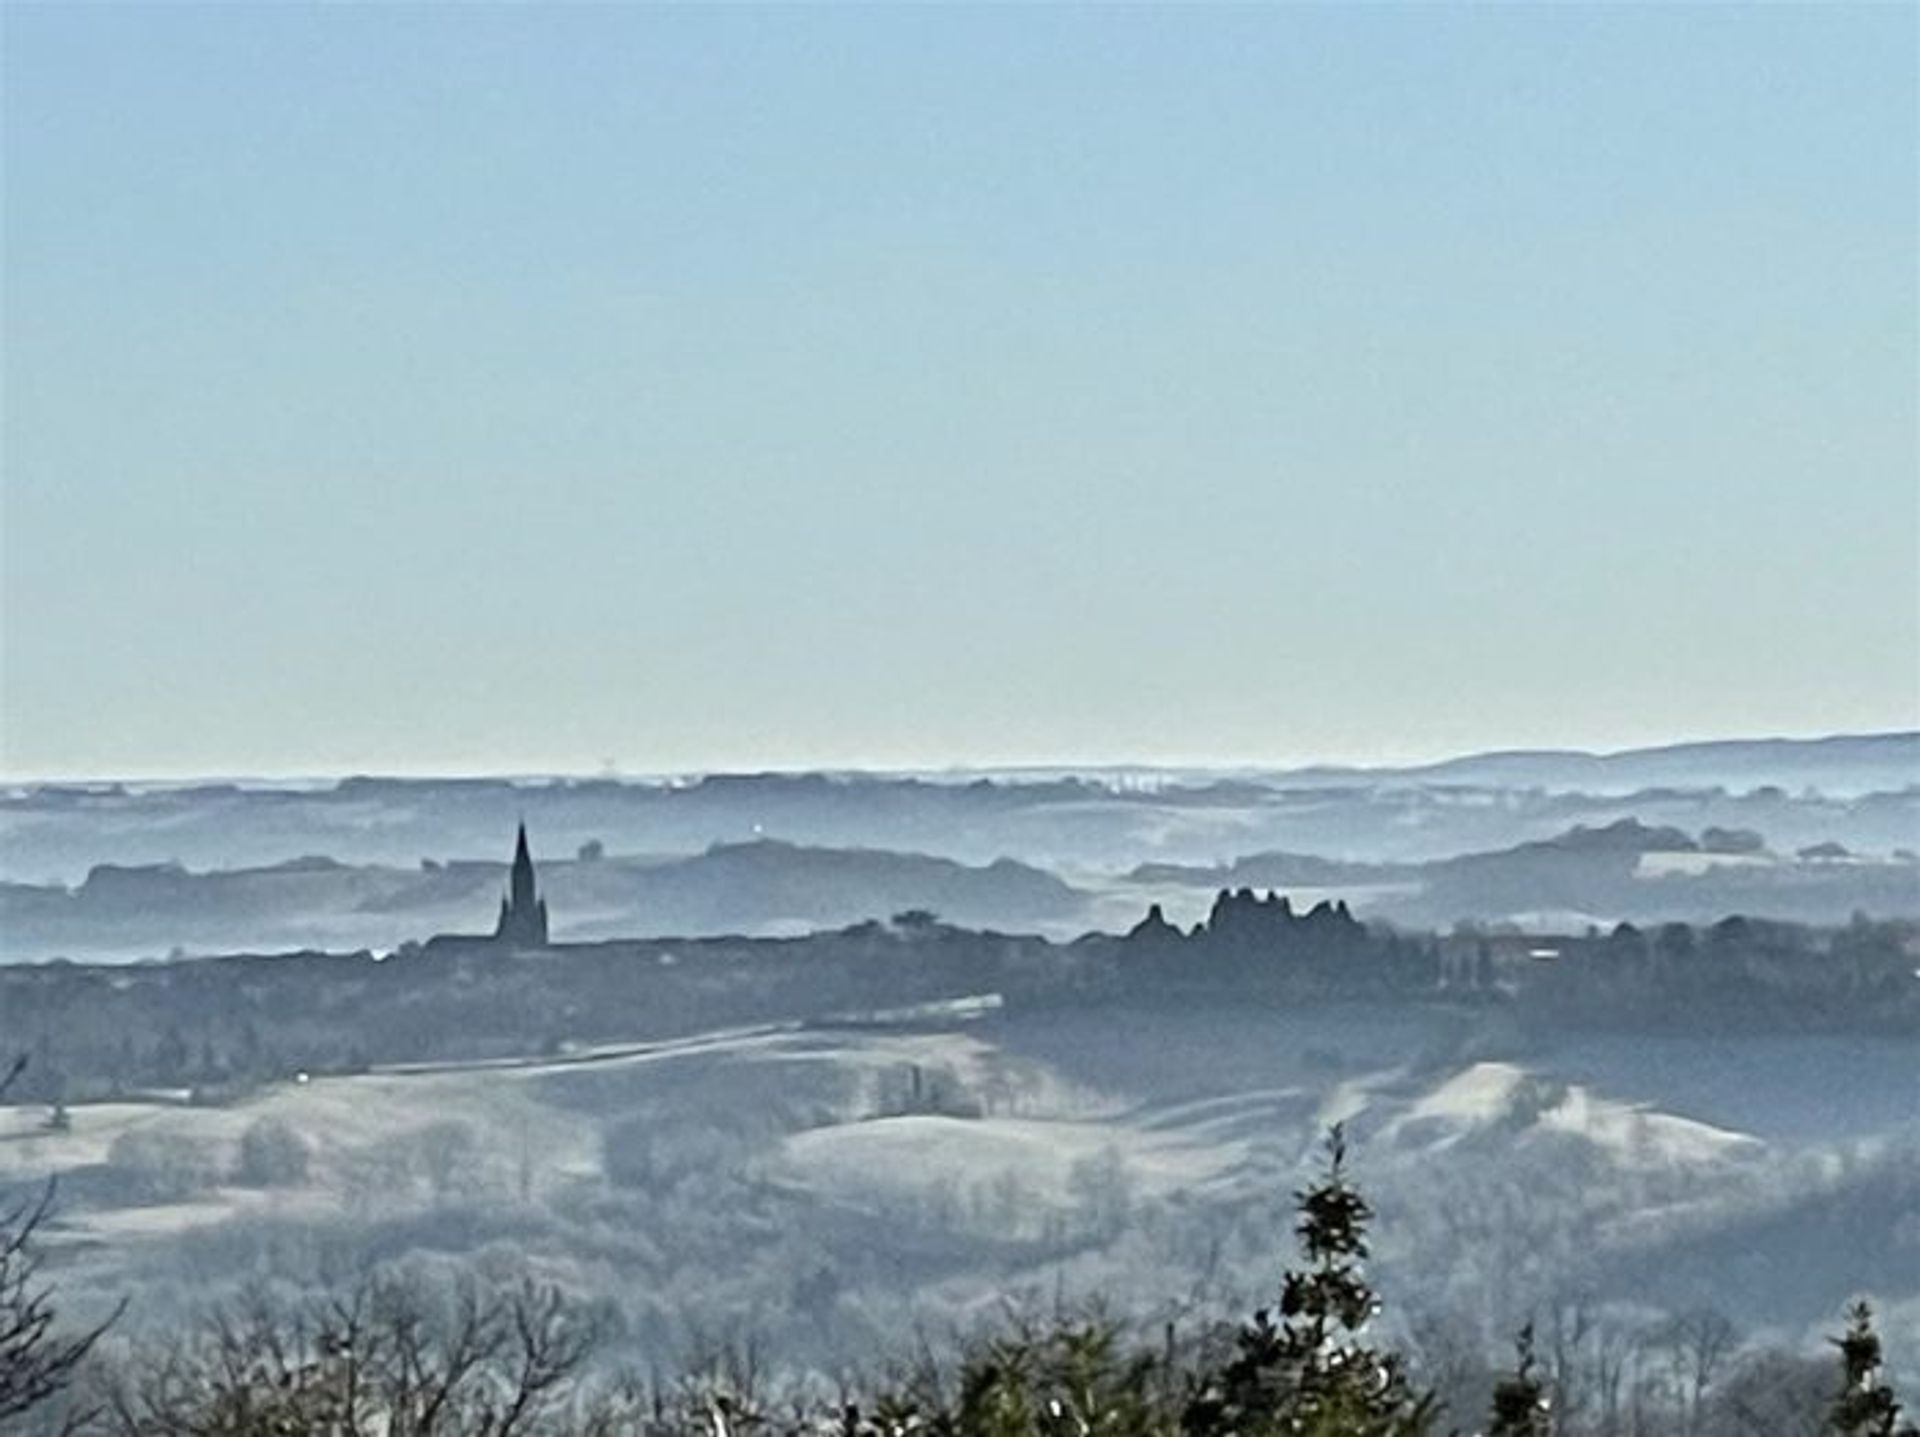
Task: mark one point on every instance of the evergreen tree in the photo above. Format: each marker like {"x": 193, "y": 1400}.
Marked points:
{"x": 1520, "y": 1404}
{"x": 1866, "y": 1406}
{"x": 1312, "y": 1374}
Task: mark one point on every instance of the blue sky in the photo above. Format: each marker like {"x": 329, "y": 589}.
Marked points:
{"x": 515, "y": 389}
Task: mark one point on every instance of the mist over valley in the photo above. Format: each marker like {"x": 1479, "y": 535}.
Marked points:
{"x": 771, "y": 1081}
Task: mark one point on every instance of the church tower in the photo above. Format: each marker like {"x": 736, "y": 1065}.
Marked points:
{"x": 523, "y": 913}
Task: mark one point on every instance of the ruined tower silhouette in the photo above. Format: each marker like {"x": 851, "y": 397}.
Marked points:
{"x": 523, "y": 913}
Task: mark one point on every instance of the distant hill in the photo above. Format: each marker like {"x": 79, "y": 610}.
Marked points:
{"x": 1798, "y": 793}
{"x": 749, "y": 888}
{"x": 1624, "y": 870}
{"x": 1842, "y": 764}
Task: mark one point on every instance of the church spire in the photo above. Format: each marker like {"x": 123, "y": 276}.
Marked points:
{"x": 523, "y": 913}
{"x": 522, "y": 886}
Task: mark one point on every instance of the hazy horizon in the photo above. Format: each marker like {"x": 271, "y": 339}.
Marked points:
{"x": 1091, "y": 765}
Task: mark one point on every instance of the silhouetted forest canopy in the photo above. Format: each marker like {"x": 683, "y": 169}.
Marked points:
{"x": 215, "y": 1024}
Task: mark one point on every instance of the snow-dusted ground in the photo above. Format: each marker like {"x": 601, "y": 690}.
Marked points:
{"x": 830, "y": 1186}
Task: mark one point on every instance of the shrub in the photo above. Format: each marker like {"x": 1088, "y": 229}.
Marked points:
{"x": 272, "y": 1155}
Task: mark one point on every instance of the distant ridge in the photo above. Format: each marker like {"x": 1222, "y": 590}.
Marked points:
{"x": 1835, "y": 763}
{"x": 1839, "y": 763}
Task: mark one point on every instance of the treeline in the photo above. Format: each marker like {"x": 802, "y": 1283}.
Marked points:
{"x": 392, "y": 1359}
{"x": 1738, "y": 973}
{"x": 216, "y": 1026}
{"x": 1251, "y": 942}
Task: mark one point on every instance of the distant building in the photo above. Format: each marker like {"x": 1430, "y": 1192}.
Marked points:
{"x": 523, "y": 913}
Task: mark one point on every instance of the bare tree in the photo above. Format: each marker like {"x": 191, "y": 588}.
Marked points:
{"x": 1695, "y": 1347}
{"x": 1772, "y": 1394}
{"x": 1566, "y": 1335}
{"x": 37, "y": 1363}
{"x": 387, "y": 1359}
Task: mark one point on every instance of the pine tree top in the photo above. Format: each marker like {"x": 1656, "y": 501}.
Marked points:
{"x": 1866, "y": 1406}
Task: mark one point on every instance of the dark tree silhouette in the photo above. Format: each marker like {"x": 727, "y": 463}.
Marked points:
{"x": 1521, "y": 1407}
{"x": 1311, "y": 1373}
{"x": 1866, "y": 1406}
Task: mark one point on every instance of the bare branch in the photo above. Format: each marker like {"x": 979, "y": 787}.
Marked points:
{"x": 36, "y": 1363}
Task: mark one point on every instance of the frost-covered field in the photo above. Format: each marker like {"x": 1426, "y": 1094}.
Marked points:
{"x": 831, "y": 1191}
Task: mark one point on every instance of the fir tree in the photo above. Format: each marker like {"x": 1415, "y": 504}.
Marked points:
{"x": 1866, "y": 1406}
{"x": 1520, "y": 1404}
{"x": 1312, "y": 1374}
